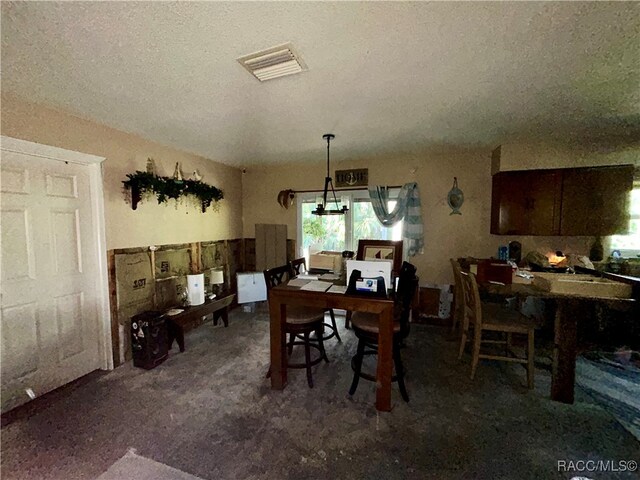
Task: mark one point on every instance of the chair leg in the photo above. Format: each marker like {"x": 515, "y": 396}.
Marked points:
{"x": 307, "y": 356}
{"x": 454, "y": 319}
{"x": 358, "y": 367}
{"x": 397, "y": 360}
{"x": 477, "y": 336}
{"x": 333, "y": 322}
{"x": 347, "y": 320}
{"x": 530, "y": 358}
{"x": 292, "y": 338}
{"x": 323, "y": 352}
{"x": 463, "y": 342}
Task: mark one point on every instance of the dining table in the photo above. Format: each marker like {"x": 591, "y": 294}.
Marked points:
{"x": 284, "y": 295}
{"x": 565, "y": 343}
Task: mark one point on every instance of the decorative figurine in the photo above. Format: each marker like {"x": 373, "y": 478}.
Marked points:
{"x": 455, "y": 198}
{"x": 177, "y": 174}
{"x": 151, "y": 167}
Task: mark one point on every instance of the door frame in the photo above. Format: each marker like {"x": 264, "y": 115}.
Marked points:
{"x": 94, "y": 164}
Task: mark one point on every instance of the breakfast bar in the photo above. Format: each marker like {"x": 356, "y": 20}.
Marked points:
{"x": 565, "y": 328}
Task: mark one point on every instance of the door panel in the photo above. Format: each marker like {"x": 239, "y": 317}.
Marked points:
{"x": 69, "y": 318}
{"x": 62, "y": 186}
{"x": 67, "y": 247}
{"x": 50, "y": 333}
{"x": 19, "y": 341}
{"x": 18, "y": 258}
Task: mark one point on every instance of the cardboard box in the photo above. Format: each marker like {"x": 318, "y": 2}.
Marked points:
{"x": 326, "y": 260}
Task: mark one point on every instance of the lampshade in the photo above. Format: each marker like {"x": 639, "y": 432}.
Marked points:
{"x": 217, "y": 277}
{"x": 328, "y": 183}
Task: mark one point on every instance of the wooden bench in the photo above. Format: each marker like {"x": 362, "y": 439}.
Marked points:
{"x": 218, "y": 307}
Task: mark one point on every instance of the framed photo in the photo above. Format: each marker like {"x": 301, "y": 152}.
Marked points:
{"x": 381, "y": 250}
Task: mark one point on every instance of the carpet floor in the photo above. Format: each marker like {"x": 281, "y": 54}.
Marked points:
{"x": 210, "y": 412}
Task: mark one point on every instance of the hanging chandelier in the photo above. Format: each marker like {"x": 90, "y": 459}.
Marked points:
{"x": 322, "y": 209}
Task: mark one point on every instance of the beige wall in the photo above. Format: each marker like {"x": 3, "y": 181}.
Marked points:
{"x": 150, "y": 224}
{"x": 445, "y": 235}
{"x": 250, "y": 198}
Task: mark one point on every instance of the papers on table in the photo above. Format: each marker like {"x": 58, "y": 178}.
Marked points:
{"x": 338, "y": 289}
{"x": 297, "y": 282}
{"x": 329, "y": 277}
{"x": 316, "y": 286}
{"x": 307, "y": 276}
{"x": 174, "y": 311}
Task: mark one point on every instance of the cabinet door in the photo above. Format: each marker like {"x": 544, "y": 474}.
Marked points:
{"x": 595, "y": 200}
{"x": 526, "y": 203}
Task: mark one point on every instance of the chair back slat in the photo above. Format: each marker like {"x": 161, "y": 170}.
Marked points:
{"x": 275, "y": 276}
{"x": 298, "y": 266}
{"x": 458, "y": 294}
{"x": 472, "y": 305}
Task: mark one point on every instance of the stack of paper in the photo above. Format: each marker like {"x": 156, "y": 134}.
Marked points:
{"x": 306, "y": 276}
{"x": 338, "y": 289}
{"x": 297, "y": 282}
{"x": 329, "y": 277}
{"x": 316, "y": 286}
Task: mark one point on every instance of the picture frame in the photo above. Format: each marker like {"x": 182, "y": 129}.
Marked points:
{"x": 381, "y": 250}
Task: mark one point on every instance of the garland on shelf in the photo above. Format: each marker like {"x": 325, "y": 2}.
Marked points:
{"x": 165, "y": 188}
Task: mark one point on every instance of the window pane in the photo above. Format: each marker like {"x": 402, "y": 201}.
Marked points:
{"x": 367, "y": 226}
{"x": 322, "y": 233}
{"x": 634, "y": 208}
{"x": 632, "y": 240}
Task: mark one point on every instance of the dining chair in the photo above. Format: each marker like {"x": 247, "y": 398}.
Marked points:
{"x": 458, "y": 296}
{"x": 300, "y": 323}
{"x": 488, "y": 317}
{"x": 376, "y": 247}
{"x": 298, "y": 266}
{"x": 366, "y": 327}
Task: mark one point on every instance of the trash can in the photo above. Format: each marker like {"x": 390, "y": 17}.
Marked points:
{"x": 149, "y": 344}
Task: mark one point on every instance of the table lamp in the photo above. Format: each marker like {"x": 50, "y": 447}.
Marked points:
{"x": 217, "y": 278}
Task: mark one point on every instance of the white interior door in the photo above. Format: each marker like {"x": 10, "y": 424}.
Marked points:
{"x": 50, "y": 276}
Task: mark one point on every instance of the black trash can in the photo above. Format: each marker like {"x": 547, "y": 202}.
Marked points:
{"x": 149, "y": 345}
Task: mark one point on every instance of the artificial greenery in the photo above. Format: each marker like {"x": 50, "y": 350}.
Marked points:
{"x": 165, "y": 188}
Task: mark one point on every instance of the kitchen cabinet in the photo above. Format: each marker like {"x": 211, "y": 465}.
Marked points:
{"x": 595, "y": 200}
{"x": 526, "y": 202}
{"x": 570, "y": 201}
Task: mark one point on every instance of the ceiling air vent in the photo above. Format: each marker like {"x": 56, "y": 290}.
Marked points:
{"x": 273, "y": 63}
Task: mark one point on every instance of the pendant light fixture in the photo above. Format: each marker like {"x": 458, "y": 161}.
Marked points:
{"x": 328, "y": 183}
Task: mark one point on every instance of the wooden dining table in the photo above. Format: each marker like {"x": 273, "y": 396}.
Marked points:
{"x": 565, "y": 348}
{"x": 284, "y": 295}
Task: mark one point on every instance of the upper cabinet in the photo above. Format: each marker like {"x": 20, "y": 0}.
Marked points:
{"x": 570, "y": 201}
{"x": 526, "y": 204}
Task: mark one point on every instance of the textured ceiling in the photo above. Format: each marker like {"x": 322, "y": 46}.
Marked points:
{"x": 386, "y": 78}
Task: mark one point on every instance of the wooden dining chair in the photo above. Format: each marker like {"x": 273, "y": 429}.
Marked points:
{"x": 298, "y": 266}
{"x": 366, "y": 327}
{"x": 487, "y": 317}
{"x": 300, "y": 323}
{"x": 458, "y": 296}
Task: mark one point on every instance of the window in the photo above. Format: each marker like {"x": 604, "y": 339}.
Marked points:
{"x": 629, "y": 245}
{"x": 342, "y": 232}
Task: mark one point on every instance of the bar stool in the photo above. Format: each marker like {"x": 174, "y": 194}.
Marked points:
{"x": 299, "y": 324}
{"x": 298, "y": 266}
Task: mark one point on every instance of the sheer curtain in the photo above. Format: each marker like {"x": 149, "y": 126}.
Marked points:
{"x": 407, "y": 208}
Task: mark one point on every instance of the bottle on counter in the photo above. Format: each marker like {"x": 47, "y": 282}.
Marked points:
{"x": 596, "y": 254}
